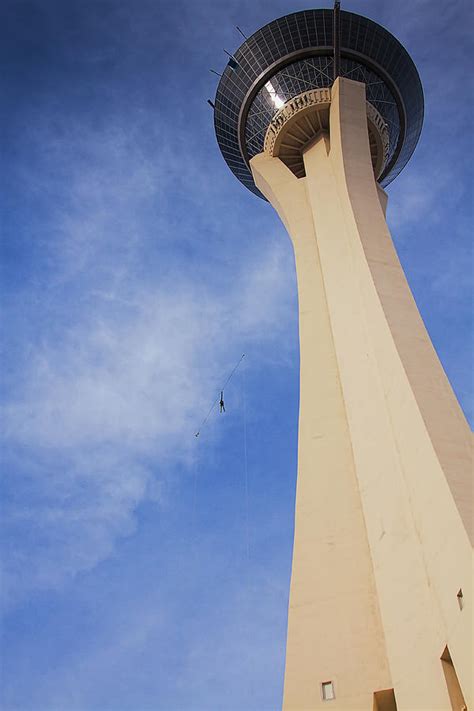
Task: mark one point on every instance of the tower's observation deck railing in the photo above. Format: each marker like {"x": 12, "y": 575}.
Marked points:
{"x": 300, "y": 121}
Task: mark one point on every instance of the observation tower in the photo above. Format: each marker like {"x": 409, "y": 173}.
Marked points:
{"x": 317, "y": 112}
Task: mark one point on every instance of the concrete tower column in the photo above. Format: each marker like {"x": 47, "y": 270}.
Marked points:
{"x": 383, "y": 528}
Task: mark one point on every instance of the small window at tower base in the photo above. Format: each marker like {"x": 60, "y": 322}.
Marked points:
{"x": 327, "y": 691}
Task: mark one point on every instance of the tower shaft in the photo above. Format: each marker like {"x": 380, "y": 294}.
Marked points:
{"x": 383, "y": 529}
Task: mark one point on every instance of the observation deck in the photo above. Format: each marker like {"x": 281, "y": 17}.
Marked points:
{"x": 282, "y": 64}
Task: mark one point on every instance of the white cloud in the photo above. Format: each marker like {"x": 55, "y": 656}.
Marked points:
{"x": 124, "y": 341}
{"x": 112, "y": 403}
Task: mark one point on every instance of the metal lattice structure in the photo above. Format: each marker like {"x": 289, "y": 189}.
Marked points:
{"x": 295, "y": 53}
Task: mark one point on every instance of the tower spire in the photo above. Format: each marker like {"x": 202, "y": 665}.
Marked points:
{"x": 336, "y": 33}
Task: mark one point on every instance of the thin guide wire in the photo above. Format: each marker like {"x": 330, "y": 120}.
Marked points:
{"x": 246, "y": 472}
{"x": 218, "y": 398}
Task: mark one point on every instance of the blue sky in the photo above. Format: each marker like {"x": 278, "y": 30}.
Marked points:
{"x": 144, "y": 568}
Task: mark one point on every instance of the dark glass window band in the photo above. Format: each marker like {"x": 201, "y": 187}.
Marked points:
{"x": 320, "y": 52}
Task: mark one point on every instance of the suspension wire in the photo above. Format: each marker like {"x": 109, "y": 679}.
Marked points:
{"x": 246, "y": 471}
{"x": 196, "y": 434}
{"x": 194, "y": 501}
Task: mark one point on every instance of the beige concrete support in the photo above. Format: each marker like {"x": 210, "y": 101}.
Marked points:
{"x": 383, "y": 503}
{"x": 331, "y": 554}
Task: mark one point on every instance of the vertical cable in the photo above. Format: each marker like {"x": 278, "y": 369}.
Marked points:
{"x": 336, "y": 38}
{"x": 246, "y": 473}
{"x": 194, "y": 503}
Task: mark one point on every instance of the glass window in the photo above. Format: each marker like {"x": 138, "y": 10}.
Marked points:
{"x": 327, "y": 689}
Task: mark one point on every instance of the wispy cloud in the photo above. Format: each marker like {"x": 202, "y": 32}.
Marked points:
{"x": 113, "y": 378}
{"x": 103, "y": 409}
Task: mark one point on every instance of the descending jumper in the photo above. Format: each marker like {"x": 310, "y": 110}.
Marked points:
{"x": 317, "y": 112}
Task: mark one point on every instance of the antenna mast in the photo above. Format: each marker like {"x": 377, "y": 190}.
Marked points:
{"x": 336, "y": 33}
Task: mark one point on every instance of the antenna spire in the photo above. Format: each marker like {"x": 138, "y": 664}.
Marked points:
{"x": 336, "y": 33}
